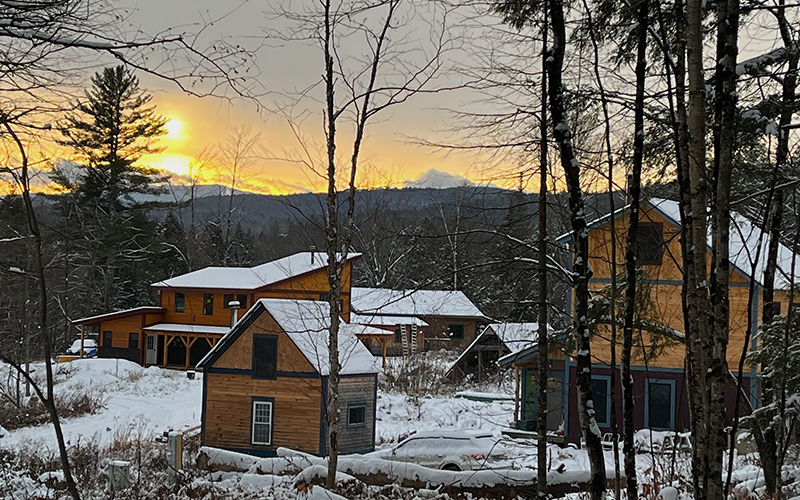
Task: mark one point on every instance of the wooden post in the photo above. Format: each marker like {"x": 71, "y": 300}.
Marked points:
{"x": 480, "y": 360}
{"x": 167, "y": 340}
{"x": 188, "y": 341}
{"x": 383, "y": 345}
{"x": 516, "y": 392}
{"x": 82, "y": 340}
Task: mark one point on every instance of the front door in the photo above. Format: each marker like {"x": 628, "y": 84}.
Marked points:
{"x": 150, "y": 356}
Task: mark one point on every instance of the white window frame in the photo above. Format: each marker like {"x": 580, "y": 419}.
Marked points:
{"x": 254, "y": 423}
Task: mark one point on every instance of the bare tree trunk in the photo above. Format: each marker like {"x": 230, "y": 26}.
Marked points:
{"x": 613, "y": 250}
{"x": 581, "y": 268}
{"x": 724, "y": 145}
{"x": 768, "y": 447}
{"x": 696, "y": 274}
{"x": 634, "y": 192}
{"x": 544, "y": 358}
{"x": 331, "y": 236}
{"x": 47, "y": 340}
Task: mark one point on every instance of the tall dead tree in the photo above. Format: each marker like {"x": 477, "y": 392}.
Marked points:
{"x": 694, "y": 201}
{"x": 47, "y": 397}
{"x": 580, "y": 241}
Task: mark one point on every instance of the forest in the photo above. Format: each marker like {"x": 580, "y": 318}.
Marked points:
{"x": 595, "y": 106}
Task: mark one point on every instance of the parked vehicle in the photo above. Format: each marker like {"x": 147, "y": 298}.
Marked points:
{"x": 89, "y": 348}
{"x": 449, "y": 449}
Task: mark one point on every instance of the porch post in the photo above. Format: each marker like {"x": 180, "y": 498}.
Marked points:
{"x": 167, "y": 340}
{"x": 516, "y": 392}
{"x": 82, "y": 340}
{"x": 383, "y": 345}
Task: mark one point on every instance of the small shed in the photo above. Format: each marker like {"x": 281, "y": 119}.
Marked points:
{"x": 265, "y": 383}
{"x": 479, "y": 359}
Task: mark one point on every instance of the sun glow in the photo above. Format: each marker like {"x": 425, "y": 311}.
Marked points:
{"x": 175, "y": 163}
{"x": 174, "y": 129}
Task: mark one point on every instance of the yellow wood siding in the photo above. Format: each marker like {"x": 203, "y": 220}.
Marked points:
{"x": 307, "y": 286}
{"x": 240, "y": 354}
{"x": 296, "y": 411}
{"x": 665, "y": 296}
{"x": 120, "y": 329}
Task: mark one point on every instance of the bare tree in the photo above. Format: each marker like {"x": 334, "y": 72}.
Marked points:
{"x": 21, "y": 175}
{"x": 235, "y": 158}
{"x": 389, "y": 68}
{"x": 572, "y": 169}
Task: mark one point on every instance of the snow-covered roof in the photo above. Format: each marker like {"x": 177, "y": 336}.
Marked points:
{"x": 356, "y": 329}
{"x": 118, "y": 314}
{"x": 374, "y": 319}
{"x": 744, "y": 236}
{"x": 186, "y": 328}
{"x": 516, "y": 336}
{"x": 251, "y": 278}
{"x": 306, "y": 323}
{"x": 388, "y": 302}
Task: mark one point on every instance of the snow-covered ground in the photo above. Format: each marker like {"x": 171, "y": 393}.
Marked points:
{"x": 141, "y": 403}
{"x": 140, "y": 400}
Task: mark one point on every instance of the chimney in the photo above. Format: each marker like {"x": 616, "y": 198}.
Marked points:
{"x": 313, "y": 250}
{"x": 234, "y": 306}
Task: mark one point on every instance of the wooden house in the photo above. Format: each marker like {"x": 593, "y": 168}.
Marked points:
{"x": 265, "y": 383}
{"x": 659, "y": 383}
{"x": 194, "y": 309}
{"x": 417, "y": 320}
{"x": 480, "y": 359}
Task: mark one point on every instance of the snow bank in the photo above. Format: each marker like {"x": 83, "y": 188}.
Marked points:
{"x": 224, "y": 460}
{"x": 138, "y": 402}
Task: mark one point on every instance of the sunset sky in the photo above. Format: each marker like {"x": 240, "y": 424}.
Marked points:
{"x": 388, "y": 156}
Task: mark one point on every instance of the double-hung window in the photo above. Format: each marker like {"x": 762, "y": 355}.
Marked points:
{"x": 601, "y": 399}
{"x": 180, "y": 302}
{"x": 261, "y": 431}
{"x": 208, "y": 304}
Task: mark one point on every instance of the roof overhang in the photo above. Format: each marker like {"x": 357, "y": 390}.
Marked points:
{"x": 187, "y": 328}
{"x": 127, "y": 313}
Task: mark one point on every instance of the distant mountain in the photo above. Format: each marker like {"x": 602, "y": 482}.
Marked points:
{"x": 436, "y": 179}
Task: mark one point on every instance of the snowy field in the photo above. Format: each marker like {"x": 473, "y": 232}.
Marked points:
{"x": 141, "y": 403}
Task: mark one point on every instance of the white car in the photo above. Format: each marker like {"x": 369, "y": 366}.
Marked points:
{"x": 89, "y": 347}
{"x": 448, "y": 449}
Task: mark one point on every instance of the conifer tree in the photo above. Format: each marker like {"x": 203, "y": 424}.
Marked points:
{"x": 105, "y": 217}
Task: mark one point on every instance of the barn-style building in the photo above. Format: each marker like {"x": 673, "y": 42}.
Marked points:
{"x": 265, "y": 383}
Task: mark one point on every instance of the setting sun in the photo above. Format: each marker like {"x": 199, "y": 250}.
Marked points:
{"x": 174, "y": 129}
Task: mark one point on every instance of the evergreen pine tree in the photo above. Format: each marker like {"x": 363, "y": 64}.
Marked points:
{"x": 105, "y": 218}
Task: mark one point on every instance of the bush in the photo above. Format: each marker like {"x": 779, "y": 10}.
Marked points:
{"x": 30, "y": 411}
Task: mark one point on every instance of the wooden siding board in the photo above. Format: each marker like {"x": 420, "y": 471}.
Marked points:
{"x": 239, "y": 355}
{"x": 120, "y": 329}
{"x": 665, "y": 291}
{"x": 357, "y": 390}
{"x": 228, "y": 411}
